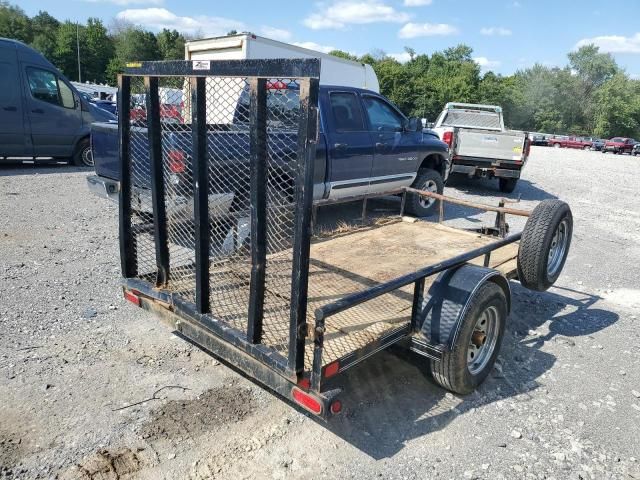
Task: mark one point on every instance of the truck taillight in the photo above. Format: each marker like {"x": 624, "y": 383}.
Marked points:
{"x": 306, "y": 400}
{"x": 175, "y": 160}
{"x": 447, "y": 137}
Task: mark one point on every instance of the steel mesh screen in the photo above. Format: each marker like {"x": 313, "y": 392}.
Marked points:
{"x": 141, "y": 206}
{"x": 229, "y": 127}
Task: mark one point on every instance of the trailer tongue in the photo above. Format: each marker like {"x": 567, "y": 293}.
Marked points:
{"x": 249, "y": 281}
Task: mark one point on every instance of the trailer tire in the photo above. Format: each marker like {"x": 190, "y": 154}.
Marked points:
{"x": 459, "y": 371}
{"x": 545, "y": 244}
{"x": 507, "y": 185}
{"x": 430, "y": 180}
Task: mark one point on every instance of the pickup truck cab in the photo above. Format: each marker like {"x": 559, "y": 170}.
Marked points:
{"x": 480, "y": 145}
{"x": 42, "y": 116}
{"x": 572, "y": 142}
{"x": 366, "y": 146}
{"x": 619, "y": 145}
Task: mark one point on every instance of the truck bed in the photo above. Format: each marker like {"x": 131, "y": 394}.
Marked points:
{"x": 341, "y": 265}
{"x": 476, "y": 144}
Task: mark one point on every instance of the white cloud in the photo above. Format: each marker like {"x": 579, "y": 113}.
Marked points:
{"x": 276, "y": 33}
{"x": 339, "y": 14}
{"x": 500, "y": 31}
{"x": 485, "y": 63}
{"x": 403, "y": 57}
{"x": 315, "y": 46}
{"x": 128, "y": 2}
{"x": 159, "y": 18}
{"x": 413, "y": 30}
{"x": 416, "y": 3}
{"x": 614, "y": 43}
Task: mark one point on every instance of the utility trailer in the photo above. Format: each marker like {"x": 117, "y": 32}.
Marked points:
{"x": 242, "y": 270}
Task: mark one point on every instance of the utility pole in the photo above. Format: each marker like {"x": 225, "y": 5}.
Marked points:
{"x": 78, "y": 49}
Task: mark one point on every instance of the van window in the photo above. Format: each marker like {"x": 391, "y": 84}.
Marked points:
{"x": 46, "y": 86}
{"x": 346, "y": 112}
{"x": 381, "y": 116}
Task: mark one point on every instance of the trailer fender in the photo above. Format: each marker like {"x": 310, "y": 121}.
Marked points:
{"x": 447, "y": 300}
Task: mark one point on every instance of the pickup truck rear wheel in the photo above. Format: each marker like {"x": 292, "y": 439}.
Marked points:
{"x": 430, "y": 181}
{"x": 507, "y": 185}
{"x": 476, "y": 348}
{"x": 83, "y": 157}
{"x": 545, "y": 244}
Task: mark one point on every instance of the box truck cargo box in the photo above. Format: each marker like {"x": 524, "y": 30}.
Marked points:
{"x": 333, "y": 70}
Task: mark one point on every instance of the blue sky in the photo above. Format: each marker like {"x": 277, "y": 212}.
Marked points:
{"x": 506, "y": 35}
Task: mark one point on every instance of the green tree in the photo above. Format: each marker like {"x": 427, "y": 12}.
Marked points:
{"x": 65, "y": 51}
{"x": 131, "y": 44}
{"x": 96, "y": 50}
{"x": 617, "y": 109}
{"x": 171, "y": 44}
{"x": 341, "y": 54}
{"x": 14, "y": 23}
{"x": 45, "y": 29}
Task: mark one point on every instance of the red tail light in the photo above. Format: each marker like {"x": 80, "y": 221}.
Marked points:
{"x": 175, "y": 160}
{"x": 331, "y": 369}
{"x": 336, "y": 407}
{"x": 132, "y": 297}
{"x": 307, "y": 401}
{"x": 447, "y": 137}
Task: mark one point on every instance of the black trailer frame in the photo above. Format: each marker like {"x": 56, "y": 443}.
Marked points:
{"x": 193, "y": 318}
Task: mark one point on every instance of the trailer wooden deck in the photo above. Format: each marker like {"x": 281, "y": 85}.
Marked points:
{"x": 360, "y": 260}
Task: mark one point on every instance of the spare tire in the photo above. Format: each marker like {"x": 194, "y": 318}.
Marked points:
{"x": 545, "y": 244}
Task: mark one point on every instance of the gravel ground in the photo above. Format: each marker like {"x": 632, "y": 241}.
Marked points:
{"x": 92, "y": 388}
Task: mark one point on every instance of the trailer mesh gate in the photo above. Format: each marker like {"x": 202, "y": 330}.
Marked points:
{"x": 216, "y": 192}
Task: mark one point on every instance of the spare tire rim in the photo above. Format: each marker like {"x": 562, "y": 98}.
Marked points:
{"x": 558, "y": 248}
{"x": 87, "y": 156}
{"x": 429, "y": 186}
{"x": 483, "y": 340}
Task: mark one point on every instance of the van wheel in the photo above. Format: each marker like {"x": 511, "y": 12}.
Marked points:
{"x": 507, "y": 185}
{"x": 430, "y": 181}
{"x": 476, "y": 348}
{"x": 83, "y": 156}
{"x": 545, "y": 244}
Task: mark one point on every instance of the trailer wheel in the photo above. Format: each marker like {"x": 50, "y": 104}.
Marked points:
{"x": 507, "y": 185}
{"x": 545, "y": 244}
{"x": 431, "y": 181}
{"x": 477, "y": 344}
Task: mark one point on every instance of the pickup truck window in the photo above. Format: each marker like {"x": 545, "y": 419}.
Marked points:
{"x": 46, "y": 86}
{"x": 381, "y": 116}
{"x": 346, "y": 112}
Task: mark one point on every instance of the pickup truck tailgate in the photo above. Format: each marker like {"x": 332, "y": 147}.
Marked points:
{"x": 487, "y": 145}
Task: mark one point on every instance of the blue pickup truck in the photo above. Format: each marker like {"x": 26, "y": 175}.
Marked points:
{"x": 366, "y": 146}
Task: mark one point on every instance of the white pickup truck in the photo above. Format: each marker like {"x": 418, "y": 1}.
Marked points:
{"x": 479, "y": 144}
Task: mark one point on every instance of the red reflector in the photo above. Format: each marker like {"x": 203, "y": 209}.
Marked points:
{"x": 304, "y": 383}
{"x": 447, "y": 137}
{"x": 306, "y": 400}
{"x": 336, "y": 407}
{"x": 132, "y": 297}
{"x": 331, "y": 369}
{"x": 176, "y": 161}
{"x": 277, "y": 85}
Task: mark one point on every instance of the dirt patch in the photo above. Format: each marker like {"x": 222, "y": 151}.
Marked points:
{"x": 107, "y": 465}
{"x": 215, "y": 407}
{"x": 11, "y": 451}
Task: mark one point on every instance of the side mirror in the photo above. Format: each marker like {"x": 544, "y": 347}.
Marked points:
{"x": 414, "y": 125}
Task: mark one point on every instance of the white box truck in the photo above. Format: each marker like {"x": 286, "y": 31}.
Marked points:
{"x": 333, "y": 70}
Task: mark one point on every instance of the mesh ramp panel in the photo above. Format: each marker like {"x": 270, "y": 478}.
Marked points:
{"x": 283, "y": 115}
{"x": 141, "y": 207}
